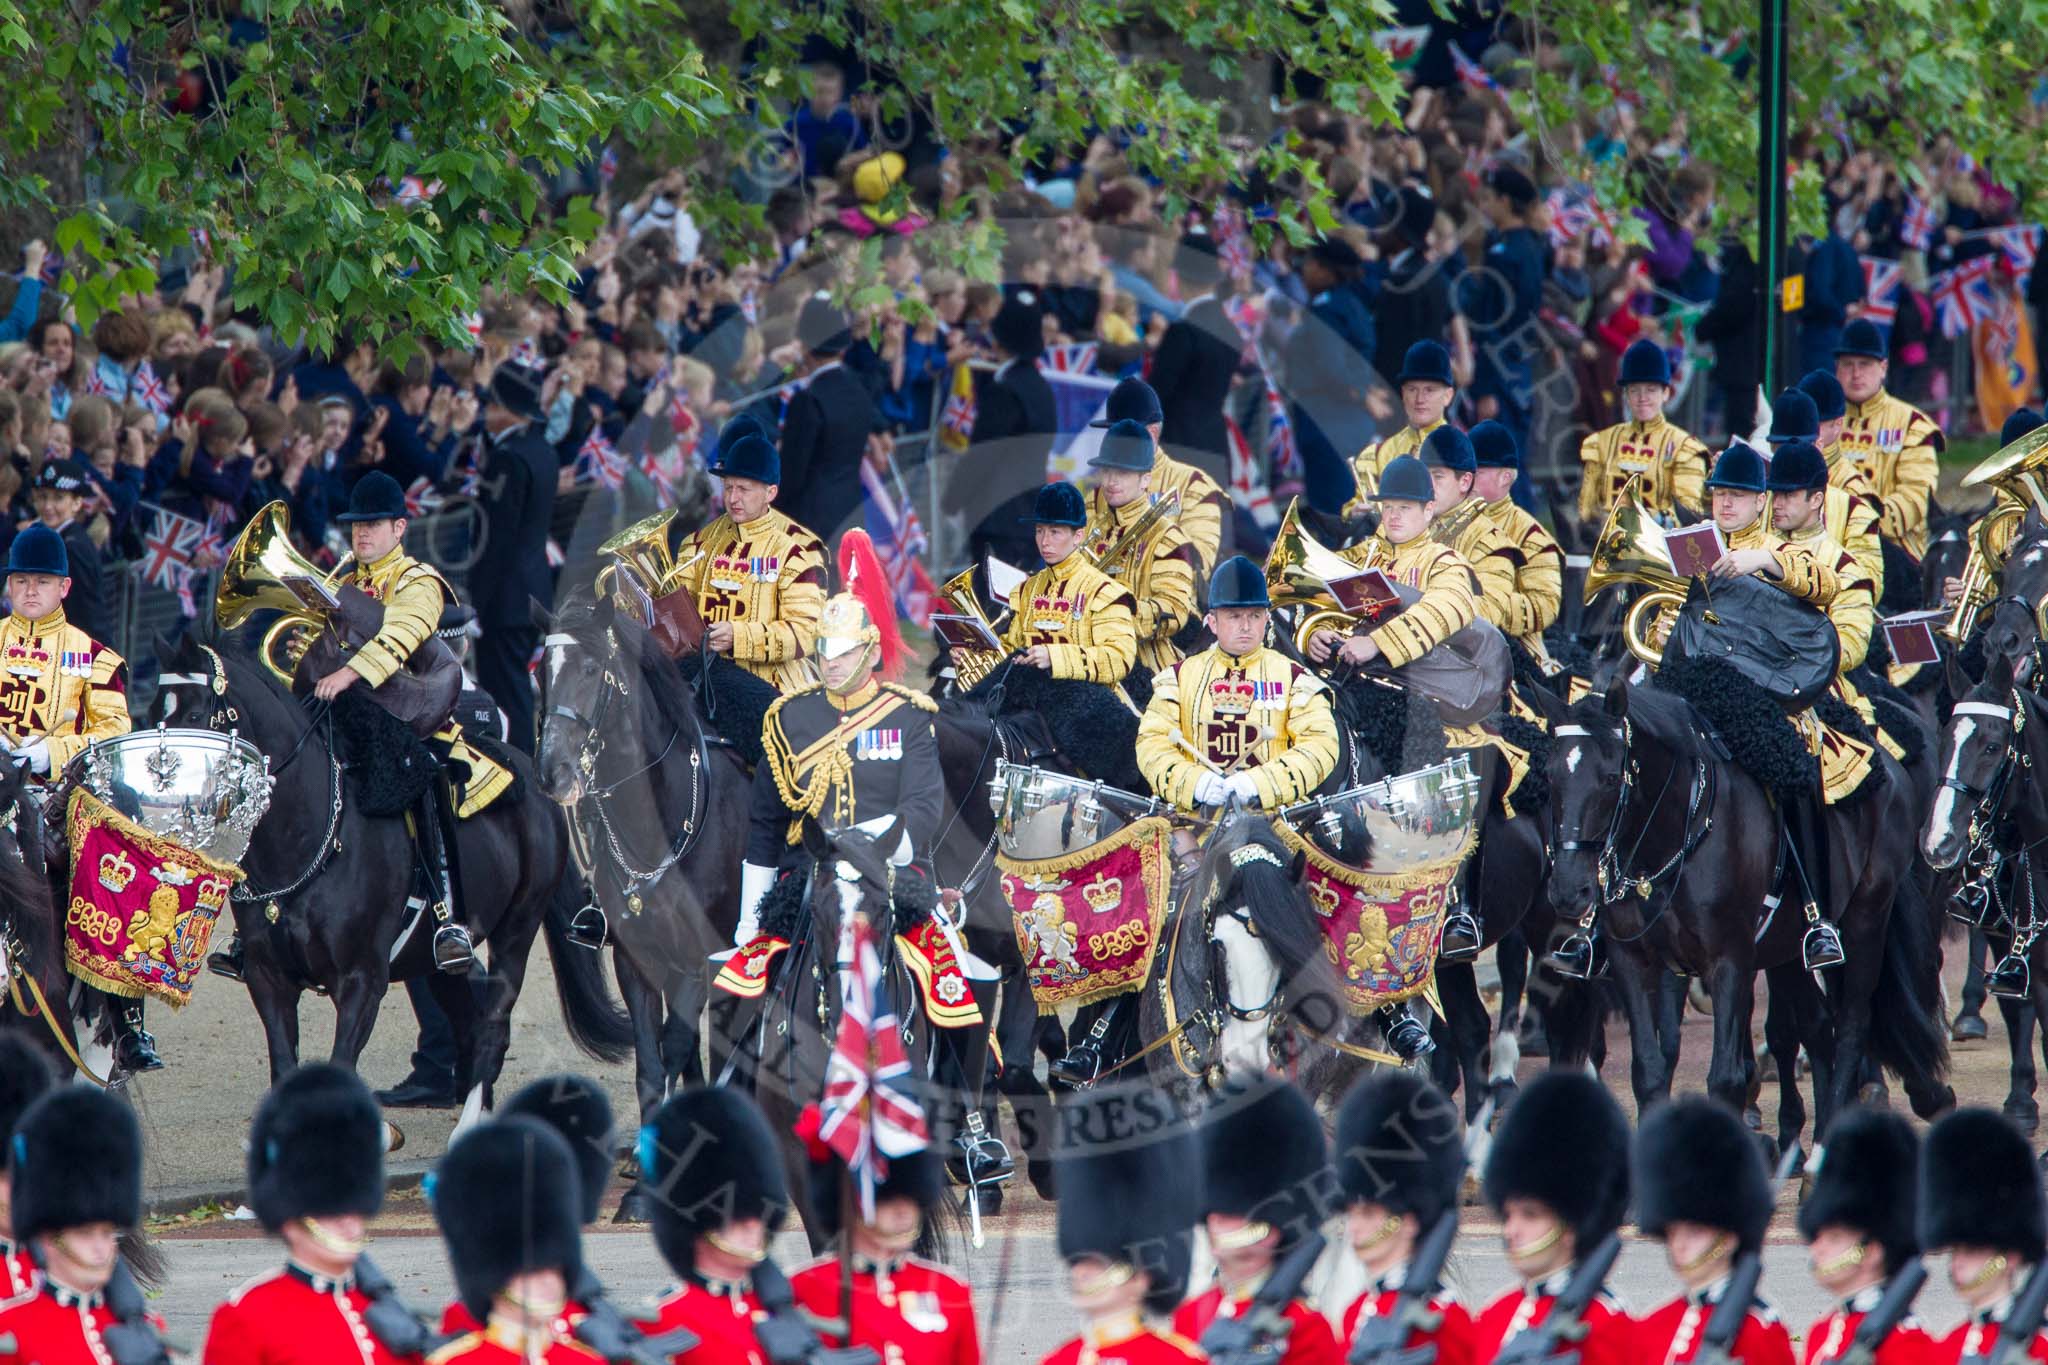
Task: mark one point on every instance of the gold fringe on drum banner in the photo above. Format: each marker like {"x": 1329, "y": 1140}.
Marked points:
{"x": 142, "y": 907}
{"x": 1088, "y": 922}
{"x": 1380, "y": 930}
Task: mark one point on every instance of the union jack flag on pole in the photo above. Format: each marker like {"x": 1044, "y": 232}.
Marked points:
{"x": 1075, "y": 358}
{"x": 870, "y": 1112}
{"x": 1962, "y": 297}
{"x": 1880, "y": 289}
{"x": 899, "y": 540}
{"x": 600, "y": 460}
{"x": 1918, "y": 229}
{"x": 167, "y": 549}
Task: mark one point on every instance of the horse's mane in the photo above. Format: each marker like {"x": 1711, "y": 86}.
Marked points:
{"x": 673, "y": 697}
{"x": 1270, "y": 895}
{"x": 244, "y": 667}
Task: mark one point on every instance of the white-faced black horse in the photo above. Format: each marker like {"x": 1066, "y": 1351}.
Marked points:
{"x": 664, "y": 802}
{"x": 1679, "y": 848}
{"x": 325, "y": 903}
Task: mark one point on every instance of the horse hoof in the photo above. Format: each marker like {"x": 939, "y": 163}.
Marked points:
{"x": 2025, "y": 1115}
{"x": 632, "y": 1207}
{"x": 1969, "y": 1028}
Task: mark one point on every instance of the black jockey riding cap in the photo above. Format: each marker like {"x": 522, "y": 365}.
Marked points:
{"x": 1739, "y": 467}
{"x": 2018, "y": 425}
{"x": 1426, "y": 361}
{"x": 1405, "y": 479}
{"x": 1644, "y": 362}
{"x": 376, "y": 497}
{"x": 1798, "y": 467}
{"x": 1863, "y": 337}
{"x": 1493, "y": 446}
{"x": 1449, "y": 448}
{"x": 515, "y": 389}
{"x": 1131, "y": 400}
{"x": 749, "y": 457}
{"x": 1829, "y": 402}
{"x": 1794, "y": 417}
{"x": 1238, "y": 582}
{"x": 822, "y": 327}
{"x": 316, "y": 1148}
{"x": 38, "y": 549}
{"x": 1126, "y": 445}
{"x": 1058, "y": 504}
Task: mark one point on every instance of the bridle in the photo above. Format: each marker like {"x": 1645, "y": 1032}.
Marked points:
{"x": 1990, "y": 803}
{"x": 634, "y": 879}
{"x": 1612, "y": 868}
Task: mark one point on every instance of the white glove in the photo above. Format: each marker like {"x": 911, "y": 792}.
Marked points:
{"x": 36, "y": 756}
{"x": 754, "y": 883}
{"x": 1211, "y": 790}
{"x": 1242, "y": 785}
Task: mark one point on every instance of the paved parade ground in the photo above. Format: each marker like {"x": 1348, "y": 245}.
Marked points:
{"x": 196, "y": 1111}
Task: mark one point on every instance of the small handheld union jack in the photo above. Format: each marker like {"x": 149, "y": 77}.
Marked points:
{"x": 870, "y": 1112}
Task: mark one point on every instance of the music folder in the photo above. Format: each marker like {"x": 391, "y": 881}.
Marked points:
{"x": 1371, "y": 594}
{"x": 1695, "y": 549}
{"x": 1910, "y": 637}
{"x": 313, "y": 595}
{"x": 964, "y": 632}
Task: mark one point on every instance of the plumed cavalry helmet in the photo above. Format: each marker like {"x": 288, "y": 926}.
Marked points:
{"x": 862, "y": 615}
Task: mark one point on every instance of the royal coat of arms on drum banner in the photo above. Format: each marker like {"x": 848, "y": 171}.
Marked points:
{"x": 142, "y": 907}
{"x": 1381, "y": 930}
{"x": 1088, "y": 922}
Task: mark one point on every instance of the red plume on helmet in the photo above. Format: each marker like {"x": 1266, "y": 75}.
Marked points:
{"x": 860, "y": 569}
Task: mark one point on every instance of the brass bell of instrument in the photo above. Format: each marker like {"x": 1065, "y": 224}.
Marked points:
{"x": 1631, "y": 550}
{"x": 1299, "y": 570}
{"x": 253, "y": 580}
{"x": 2019, "y": 473}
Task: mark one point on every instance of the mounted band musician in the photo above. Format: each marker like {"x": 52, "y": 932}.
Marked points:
{"x": 379, "y": 643}
{"x": 1132, "y": 538}
{"x": 1200, "y": 507}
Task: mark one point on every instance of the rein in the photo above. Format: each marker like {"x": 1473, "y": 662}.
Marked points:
{"x": 1611, "y": 868}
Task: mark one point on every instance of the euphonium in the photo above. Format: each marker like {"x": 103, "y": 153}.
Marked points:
{"x": 252, "y": 580}
{"x": 2020, "y": 472}
{"x": 642, "y": 549}
{"x": 970, "y": 666}
{"x": 1298, "y": 574}
{"x": 1631, "y": 550}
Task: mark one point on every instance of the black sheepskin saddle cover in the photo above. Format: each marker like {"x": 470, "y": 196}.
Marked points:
{"x": 389, "y": 767}
{"x": 735, "y": 701}
{"x": 1749, "y": 721}
{"x": 1089, "y": 723}
{"x": 1401, "y": 729}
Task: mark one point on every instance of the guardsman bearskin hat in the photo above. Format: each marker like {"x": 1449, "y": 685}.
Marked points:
{"x": 1426, "y": 362}
{"x": 1867, "y": 1180}
{"x": 1264, "y": 1157}
{"x": 1398, "y": 1146}
{"x": 1794, "y": 417}
{"x": 1696, "y": 1163}
{"x": 1979, "y": 1186}
{"x": 1862, "y": 337}
{"x": 1644, "y": 362}
{"x": 1132, "y": 400}
{"x": 1238, "y": 582}
{"x": 1405, "y": 479}
{"x": 919, "y": 1177}
{"x": 1563, "y": 1143}
{"x": 24, "y": 1076}
{"x": 577, "y": 1108}
{"x": 508, "y": 1200}
{"x": 708, "y": 1158}
{"x": 1127, "y": 1170}
{"x": 316, "y": 1148}
{"x": 77, "y": 1160}
{"x": 38, "y": 549}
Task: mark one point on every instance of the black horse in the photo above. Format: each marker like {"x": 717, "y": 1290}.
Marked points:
{"x": 665, "y": 805}
{"x": 32, "y": 933}
{"x": 325, "y": 903}
{"x": 1679, "y": 845}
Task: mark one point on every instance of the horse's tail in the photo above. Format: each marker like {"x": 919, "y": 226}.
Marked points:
{"x": 1572, "y": 1014}
{"x": 1905, "y": 1030}
{"x": 597, "y": 1021}
{"x": 145, "y": 1258}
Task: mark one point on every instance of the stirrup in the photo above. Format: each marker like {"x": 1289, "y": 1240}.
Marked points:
{"x": 1971, "y": 903}
{"x": 1461, "y": 937}
{"x": 984, "y": 1157}
{"x": 1408, "y": 1038}
{"x": 590, "y": 927}
{"x": 1822, "y": 946}
{"x": 2010, "y": 979}
{"x": 1573, "y": 956}
{"x": 134, "y": 1046}
{"x": 453, "y": 951}
{"x": 1079, "y": 1068}
{"x": 228, "y": 961}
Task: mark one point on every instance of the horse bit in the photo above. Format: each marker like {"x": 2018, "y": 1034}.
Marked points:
{"x": 1978, "y": 894}
{"x": 1614, "y": 881}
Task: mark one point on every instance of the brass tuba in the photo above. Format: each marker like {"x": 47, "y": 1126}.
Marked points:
{"x": 2019, "y": 472}
{"x": 1631, "y": 550}
{"x": 642, "y": 550}
{"x": 253, "y": 579}
{"x": 970, "y": 666}
{"x": 1298, "y": 573}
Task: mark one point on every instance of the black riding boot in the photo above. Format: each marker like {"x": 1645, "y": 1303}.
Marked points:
{"x": 134, "y": 1049}
{"x": 1404, "y": 1033}
{"x": 1089, "y": 1058}
{"x": 1462, "y": 937}
{"x": 1806, "y": 823}
{"x": 453, "y": 951}
{"x": 227, "y": 961}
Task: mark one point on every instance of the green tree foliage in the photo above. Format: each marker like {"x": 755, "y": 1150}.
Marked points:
{"x": 283, "y": 128}
{"x": 1907, "y": 77}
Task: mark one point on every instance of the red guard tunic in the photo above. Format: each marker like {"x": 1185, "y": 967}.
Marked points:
{"x": 18, "y": 1274}
{"x": 1452, "y": 1337}
{"x": 1830, "y": 1337}
{"x": 1975, "y": 1336}
{"x": 1126, "y": 1341}
{"x": 54, "y": 1326}
{"x": 1610, "y": 1331}
{"x": 722, "y": 1316}
{"x": 489, "y": 1348}
{"x": 294, "y": 1317}
{"x": 914, "y": 1312}
{"x": 455, "y": 1319}
{"x": 1671, "y": 1334}
{"x": 1310, "y": 1343}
